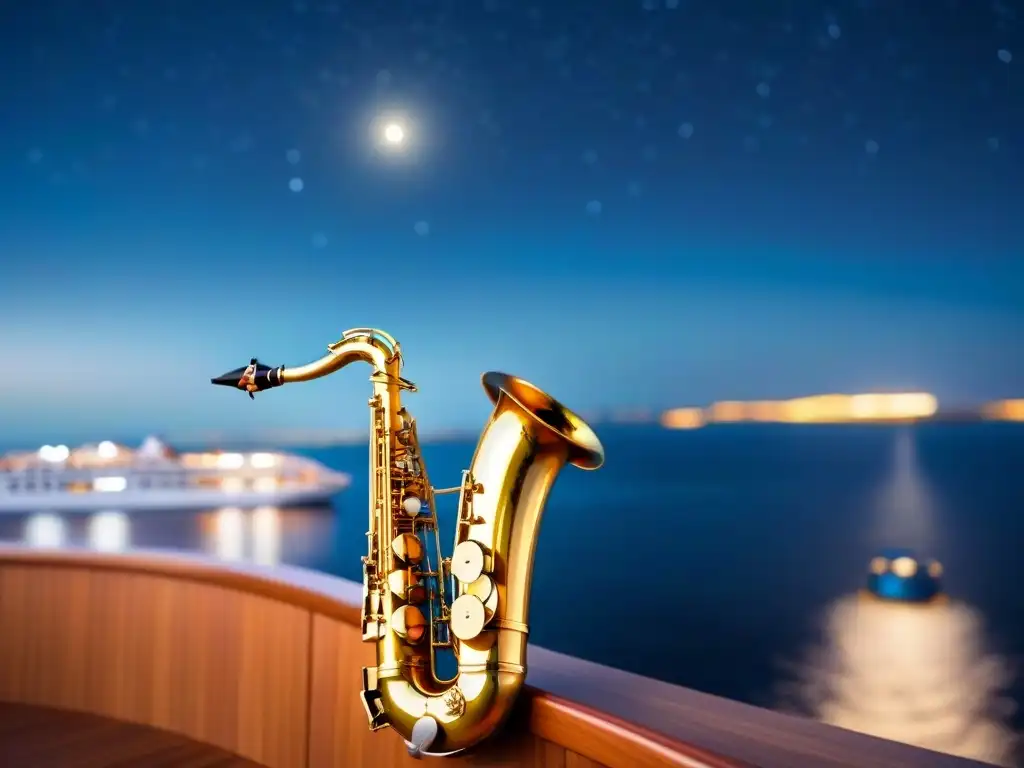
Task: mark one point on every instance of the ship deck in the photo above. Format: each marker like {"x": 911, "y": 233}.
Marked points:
{"x": 262, "y": 664}
{"x": 41, "y": 737}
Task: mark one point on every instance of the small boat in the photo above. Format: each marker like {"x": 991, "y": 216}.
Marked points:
{"x": 899, "y": 575}
{"x": 155, "y": 476}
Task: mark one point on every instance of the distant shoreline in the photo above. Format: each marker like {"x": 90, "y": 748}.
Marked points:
{"x": 322, "y": 438}
{"x": 469, "y": 436}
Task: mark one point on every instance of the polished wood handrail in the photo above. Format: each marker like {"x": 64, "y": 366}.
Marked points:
{"x": 576, "y": 729}
{"x": 584, "y": 730}
{"x": 294, "y": 586}
{"x": 283, "y": 691}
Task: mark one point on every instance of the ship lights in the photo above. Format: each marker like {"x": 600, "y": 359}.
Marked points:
{"x": 54, "y": 453}
{"x": 230, "y": 460}
{"x": 106, "y": 450}
{"x": 263, "y": 460}
{"x": 109, "y": 484}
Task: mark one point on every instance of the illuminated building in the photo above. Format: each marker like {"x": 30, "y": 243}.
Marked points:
{"x": 1004, "y": 410}
{"x": 816, "y": 409}
{"x": 683, "y": 418}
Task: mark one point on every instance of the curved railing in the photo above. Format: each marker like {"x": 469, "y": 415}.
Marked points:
{"x": 265, "y": 663}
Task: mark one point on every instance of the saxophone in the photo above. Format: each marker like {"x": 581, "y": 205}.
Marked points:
{"x": 406, "y": 613}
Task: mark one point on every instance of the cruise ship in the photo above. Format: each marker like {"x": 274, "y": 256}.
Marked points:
{"x": 154, "y": 476}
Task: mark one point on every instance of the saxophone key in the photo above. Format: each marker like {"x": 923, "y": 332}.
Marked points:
{"x": 409, "y": 623}
{"x": 372, "y": 700}
{"x": 467, "y": 561}
{"x": 468, "y": 617}
{"x": 484, "y": 590}
{"x": 408, "y": 548}
{"x": 373, "y": 598}
{"x": 412, "y": 505}
{"x": 481, "y": 588}
{"x": 406, "y": 585}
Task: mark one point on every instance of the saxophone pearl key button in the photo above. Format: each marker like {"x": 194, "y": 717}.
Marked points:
{"x": 467, "y": 562}
{"x": 411, "y": 505}
{"x": 467, "y": 617}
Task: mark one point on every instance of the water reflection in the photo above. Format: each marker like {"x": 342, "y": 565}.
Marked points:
{"x": 264, "y": 535}
{"x": 268, "y": 535}
{"x": 109, "y": 532}
{"x": 917, "y": 674}
{"x": 45, "y": 531}
{"x": 254, "y": 535}
{"x": 906, "y": 508}
{"x": 228, "y": 539}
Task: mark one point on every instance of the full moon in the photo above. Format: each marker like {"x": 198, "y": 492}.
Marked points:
{"x": 394, "y": 134}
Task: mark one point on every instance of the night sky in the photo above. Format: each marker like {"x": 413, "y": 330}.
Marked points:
{"x": 630, "y": 203}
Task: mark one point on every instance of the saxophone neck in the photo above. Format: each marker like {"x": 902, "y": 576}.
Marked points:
{"x": 368, "y": 345}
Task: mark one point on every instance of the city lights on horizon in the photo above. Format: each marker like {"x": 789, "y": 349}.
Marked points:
{"x": 815, "y": 409}
{"x": 864, "y": 408}
{"x": 832, "y": 409}
{"x": 1004, "y": 410}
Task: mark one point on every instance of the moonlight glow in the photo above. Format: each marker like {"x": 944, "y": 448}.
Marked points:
{"x": 394, "y": 134}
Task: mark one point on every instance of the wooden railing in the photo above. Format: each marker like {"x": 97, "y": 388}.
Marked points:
{"x": 265, "y": 663}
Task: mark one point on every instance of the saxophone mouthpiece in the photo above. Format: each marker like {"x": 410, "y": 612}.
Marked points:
{"x": 255, "y": 377}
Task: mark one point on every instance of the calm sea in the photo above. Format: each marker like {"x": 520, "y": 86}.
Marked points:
{"x": 727, "y": 559}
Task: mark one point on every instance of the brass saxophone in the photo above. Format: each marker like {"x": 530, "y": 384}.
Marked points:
{"x": 524, "y": 445}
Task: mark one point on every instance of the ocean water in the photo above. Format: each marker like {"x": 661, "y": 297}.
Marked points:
{"x": 728, "y": 560}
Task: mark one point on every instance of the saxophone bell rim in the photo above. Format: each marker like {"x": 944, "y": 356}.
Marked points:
{"x": 585, "y": 449}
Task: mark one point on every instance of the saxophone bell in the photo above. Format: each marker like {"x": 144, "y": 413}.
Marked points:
{"x": 255, "y": 377}
{"x": 558, "y": 422}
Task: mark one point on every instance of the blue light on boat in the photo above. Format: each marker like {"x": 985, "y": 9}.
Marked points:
{"x": 900, "y": 575}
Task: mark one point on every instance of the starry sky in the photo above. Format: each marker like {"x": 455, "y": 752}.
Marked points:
{"x": 633, "y": 204}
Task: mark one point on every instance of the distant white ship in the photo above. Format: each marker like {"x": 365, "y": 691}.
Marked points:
{"x": 111, "y": 476}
